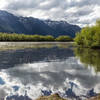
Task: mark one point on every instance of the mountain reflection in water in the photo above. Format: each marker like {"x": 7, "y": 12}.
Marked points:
{"x": 29, "y": 73}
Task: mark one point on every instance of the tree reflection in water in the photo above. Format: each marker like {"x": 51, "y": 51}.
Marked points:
{"x": 89, "y": 57}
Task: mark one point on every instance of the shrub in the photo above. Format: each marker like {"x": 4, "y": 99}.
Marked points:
{"x": 63, "y": 38}
{"x": 35, "y": 38}
{"x": 89, "y": 36}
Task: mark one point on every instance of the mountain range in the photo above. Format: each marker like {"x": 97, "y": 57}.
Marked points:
{"x": 10, "y": 23}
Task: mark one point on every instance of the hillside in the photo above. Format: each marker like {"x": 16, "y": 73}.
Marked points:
{"x": 28, "y": 25}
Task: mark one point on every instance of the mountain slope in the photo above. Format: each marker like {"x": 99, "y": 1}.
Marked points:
{"x": 28, "y": 25}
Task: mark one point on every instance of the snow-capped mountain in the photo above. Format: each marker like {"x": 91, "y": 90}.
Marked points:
{"x": 28, "y": 25}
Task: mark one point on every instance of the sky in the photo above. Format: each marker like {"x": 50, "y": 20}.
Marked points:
{"x": 80, "y": 12}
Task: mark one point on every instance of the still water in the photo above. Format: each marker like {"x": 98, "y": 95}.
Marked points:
{"x": 29, "y": 70}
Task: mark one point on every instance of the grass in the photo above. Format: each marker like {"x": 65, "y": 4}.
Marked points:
{"x": 57, "y": 97}
{"x": 95, "y": 98}
{"x": 51, "y": 97}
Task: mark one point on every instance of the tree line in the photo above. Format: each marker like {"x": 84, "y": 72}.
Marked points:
{"x": 34, "y": 38}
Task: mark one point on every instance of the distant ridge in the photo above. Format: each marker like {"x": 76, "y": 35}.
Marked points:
{"x": 28, "y": 25}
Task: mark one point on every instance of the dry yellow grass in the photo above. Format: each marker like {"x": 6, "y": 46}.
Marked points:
{"x": 51, "y": 97}
{"x": 95, "y": 98}
{"x": 57, "y": 97}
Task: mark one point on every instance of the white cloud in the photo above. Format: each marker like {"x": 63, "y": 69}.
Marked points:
{"x": 80, "y": 12}
{"x": 3, "y": 3}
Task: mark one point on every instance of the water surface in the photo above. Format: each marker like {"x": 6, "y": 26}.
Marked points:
{"x": 29, "y": 70}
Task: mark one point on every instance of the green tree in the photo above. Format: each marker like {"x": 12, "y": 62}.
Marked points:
{"x": 89, "y": 36}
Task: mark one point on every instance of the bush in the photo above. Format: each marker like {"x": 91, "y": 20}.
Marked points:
{"x": 35, "y": 38}
{"x": 63, "y": 38}
{"x": 89, "y": 36}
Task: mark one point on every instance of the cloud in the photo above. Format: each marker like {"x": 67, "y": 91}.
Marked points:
{"x": 80, "y": 12}
{"x": 55, "y": 76}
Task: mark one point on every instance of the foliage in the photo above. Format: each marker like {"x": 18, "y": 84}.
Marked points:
{"x": 35, "y": 38}
{"x": 89, "y": 36}
{"x": 89, "y": 57}
{"x": 64, "y": 38}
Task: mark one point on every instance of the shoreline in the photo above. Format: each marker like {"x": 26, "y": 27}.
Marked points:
{"x": 56, "y": 96}
{"x": 24, "y": 45}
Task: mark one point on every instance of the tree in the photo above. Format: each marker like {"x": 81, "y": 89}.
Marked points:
{"x": 89, "y": 36}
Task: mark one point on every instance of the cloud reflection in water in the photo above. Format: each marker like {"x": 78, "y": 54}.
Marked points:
{"x": 68, "y": 77}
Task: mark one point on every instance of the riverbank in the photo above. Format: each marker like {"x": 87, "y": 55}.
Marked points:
{"x": 51, "y": 97}
{"x": 95, "y": 98}
{"x": 33, "y": 38}
{"x": 57, "y": 97}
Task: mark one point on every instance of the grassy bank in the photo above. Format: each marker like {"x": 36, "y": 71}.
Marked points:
{"x": 57, "y": 97}
{"x": 52, "y": 97}
{"x": 33, "y": 38}
{"x": 95, "y": 98}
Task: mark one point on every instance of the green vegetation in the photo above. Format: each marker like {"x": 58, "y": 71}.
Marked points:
{"x": 64, "y": 38}
{"x": 22, "y": 37}
{"x": 52, "y": 97}
{"x": 89, "y": 36}
{"x": 34, "y": 38}
{"x": 89, "y": 57}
